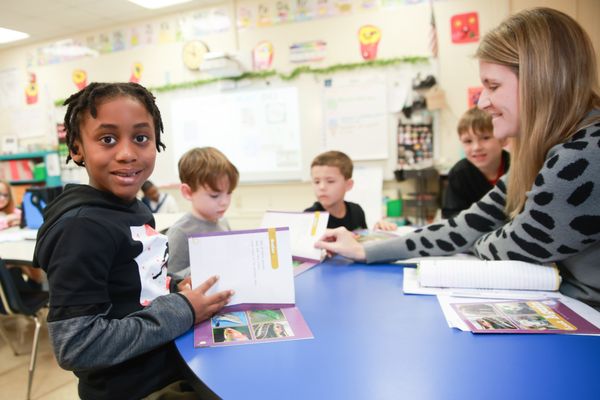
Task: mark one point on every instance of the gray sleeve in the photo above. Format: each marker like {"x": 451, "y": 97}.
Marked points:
{"x": 451, "y": 236}
{"x": 560, "y": 217}
{"x": 96, "y": 342}
{"x": 179, "y": 257}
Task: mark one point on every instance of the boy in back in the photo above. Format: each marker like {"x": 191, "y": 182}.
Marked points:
{"x": 331, "y": 174}
{"x": 485, "y": 162}
{"x": 207, "y": 180}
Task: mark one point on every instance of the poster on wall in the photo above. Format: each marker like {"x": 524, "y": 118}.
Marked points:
{"x": 79, "y": 78}
{"x": 473, "y": 94}
{"x": 136, "y": 72}
{"x": 356, "y": 121}
{"x": 369, "y": 37}
{"x": 465, "y": 28}
{"x": 31, "y": 90}
{"x": 262, "y": 56}
{"x": 310, "y": 51}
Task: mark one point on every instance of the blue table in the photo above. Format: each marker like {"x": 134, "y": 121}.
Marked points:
{"x": 373, "y": 342}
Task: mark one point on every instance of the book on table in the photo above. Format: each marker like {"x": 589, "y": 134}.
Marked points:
{"x": 500, "y": 296}
{"x": 257, "y": 266}
{"x": 469, "y": 276}
{"x": 305, "y": 229}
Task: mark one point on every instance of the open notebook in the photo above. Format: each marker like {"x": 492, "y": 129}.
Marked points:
{"x": 468, "y": 276}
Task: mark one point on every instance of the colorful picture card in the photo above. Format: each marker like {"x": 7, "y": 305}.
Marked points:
{"x": 520, "y": 316}
{"x": 254, "y": 326}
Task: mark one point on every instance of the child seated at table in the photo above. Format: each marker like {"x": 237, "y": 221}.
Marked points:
{"x": 10, "y": 215}
{"x": 158, "y": 202}
{"x": 207, "y": 180}
{"x": 484, "y": 163}
{"x": 331, "y": 174}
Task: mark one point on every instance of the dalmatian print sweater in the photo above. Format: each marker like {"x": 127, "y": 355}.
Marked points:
{"x": 560, "y": 222}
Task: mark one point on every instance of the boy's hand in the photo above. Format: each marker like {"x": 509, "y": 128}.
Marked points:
{"x": 384, "y": 225}
{"x": 205, "y": 306}
{"x": 343, "y": 242}
{"x": 185, "y": 284}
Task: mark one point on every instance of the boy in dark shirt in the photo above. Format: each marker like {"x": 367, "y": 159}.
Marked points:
{"x": 112, "y": 319}
{"x": 484, "y": 163}
{"x": 331, "y": 174}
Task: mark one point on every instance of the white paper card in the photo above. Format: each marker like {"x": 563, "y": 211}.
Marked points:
{"x": 305, "y": 229}
{"x": 256, "y": 264}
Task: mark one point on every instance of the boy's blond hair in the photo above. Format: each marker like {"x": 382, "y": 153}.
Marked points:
{"x": 477, "y": 120}
{"x": 206, "y": 166}
{"x": 334, "y": 159}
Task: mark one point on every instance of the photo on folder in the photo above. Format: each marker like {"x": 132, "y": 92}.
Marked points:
{"x": 518, "y": 316}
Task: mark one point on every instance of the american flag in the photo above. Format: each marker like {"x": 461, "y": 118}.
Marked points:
{"x": 433, "y": 40}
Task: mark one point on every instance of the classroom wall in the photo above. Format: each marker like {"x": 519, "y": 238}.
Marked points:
{"x": 405, "y": 32}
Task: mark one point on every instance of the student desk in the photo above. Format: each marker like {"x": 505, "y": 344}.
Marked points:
{"x": 23, "y": 249}
{"x": 373, "y": 342}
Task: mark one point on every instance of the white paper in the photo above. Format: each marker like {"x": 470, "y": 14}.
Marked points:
{"x": 17, "y": 235}
{"x": 305, "y": 229}
{"x": 256, "y": 264}
{"x": 514, "y": 275}
{"x": 411, "y": 285}
{"x": 356, "y": 119}
{"x": 367, "y": 192}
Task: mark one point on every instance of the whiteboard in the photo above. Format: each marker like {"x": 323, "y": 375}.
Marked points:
{"x": 257, "y": 129}
{"x": 272, "y": 129}
{"x": 356, "y": 119}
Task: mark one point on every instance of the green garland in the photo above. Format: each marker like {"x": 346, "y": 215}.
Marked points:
{"x": 293, "y": 75}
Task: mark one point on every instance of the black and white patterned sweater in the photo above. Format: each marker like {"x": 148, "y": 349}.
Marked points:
{"x": 559, "y": 223}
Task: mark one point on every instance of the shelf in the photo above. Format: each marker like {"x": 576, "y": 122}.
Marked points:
{"x": 23, "y": 156}
{"x": 28, "y": 181}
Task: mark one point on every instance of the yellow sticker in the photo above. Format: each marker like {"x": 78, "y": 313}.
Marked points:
{"x": 273, "y": 247}
{"x": 313, "y": 231}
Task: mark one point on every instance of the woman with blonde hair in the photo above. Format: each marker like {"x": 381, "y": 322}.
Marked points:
{"x": 538, "y": 69}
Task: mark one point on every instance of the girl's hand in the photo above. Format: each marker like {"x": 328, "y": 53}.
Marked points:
{"x": 13, "y": 220}
{"x": 343, "y": 242}
{"x": 205, "y": 306}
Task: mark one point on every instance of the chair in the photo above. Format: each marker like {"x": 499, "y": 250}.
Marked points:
{"x": 17, "y": 301}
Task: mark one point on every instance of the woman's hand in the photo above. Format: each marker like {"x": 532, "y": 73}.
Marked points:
{"x": 343, "y": 242}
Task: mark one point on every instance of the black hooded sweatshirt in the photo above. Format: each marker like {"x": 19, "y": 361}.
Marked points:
{"x": 111, "y": 319}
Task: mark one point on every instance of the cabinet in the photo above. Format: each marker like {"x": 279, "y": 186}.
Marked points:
{"x": 425, "y": 200}
{"x": 22, "y": 170}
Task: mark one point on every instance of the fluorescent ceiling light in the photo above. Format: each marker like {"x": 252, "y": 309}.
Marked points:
{"x": 8, "y": 35}
{"x": 153, "y": 4}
